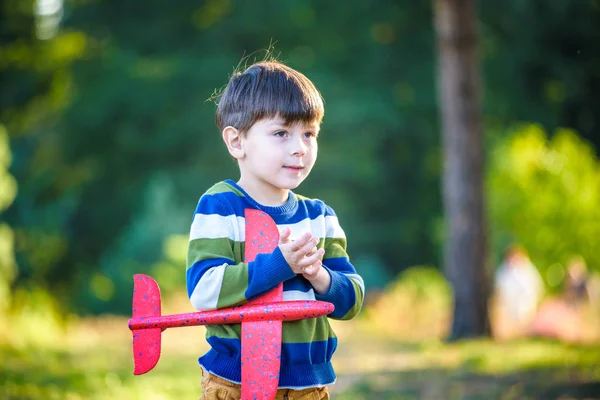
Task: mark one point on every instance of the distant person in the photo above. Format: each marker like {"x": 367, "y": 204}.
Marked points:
{"x": 561, "y": 317}
{"x": 519, "y": 289}
{"x": 269, "y": 117}
{"x": 576, "y": 284}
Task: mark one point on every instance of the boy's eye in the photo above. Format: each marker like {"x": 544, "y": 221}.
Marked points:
{"x": 309, "y": 135}
{"x": 281, "y": 133}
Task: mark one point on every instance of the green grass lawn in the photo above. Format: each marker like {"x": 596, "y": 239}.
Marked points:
{"x": 391, "y": 351}
{"x": 91, "y": 359}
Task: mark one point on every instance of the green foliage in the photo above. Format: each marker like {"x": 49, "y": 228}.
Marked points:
{"x": 122, "y": 165}
{"x": 544, "y": 194}
{"x": 540, "y": 64}
{"x": 113, "y": 140}
{"x": 8, "y": 184}
{"x": 167, "y": 271}
{"x": 8, "y": 191}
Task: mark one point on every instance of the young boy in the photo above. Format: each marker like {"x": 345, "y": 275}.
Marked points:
{"x": 269, "y": 117}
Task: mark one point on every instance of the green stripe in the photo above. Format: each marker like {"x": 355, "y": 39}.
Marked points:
{"x": 223, "y": 187}
{"x": 232, "y": 331}
{"x": 357, "y": 304}
{"x": 234, "y": 285}
{"x": 307, "y": 330}
{"x": 204, "y": 249}
{"x": 335, "y": 247}
{"x": 235, "y": 278}
{"x": 299, "y": 197}
{"x": 302, "y": 331}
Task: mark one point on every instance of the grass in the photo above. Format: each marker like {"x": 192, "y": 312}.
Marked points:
{"x": 42, "y": 358}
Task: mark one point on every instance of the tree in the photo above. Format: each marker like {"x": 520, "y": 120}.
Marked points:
{"x": 465, "y": 247}
{"x": 8, "y": 191}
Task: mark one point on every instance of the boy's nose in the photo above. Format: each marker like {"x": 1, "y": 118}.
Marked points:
{"x": 300, "y": 152}
{"x": 299, "y": 148}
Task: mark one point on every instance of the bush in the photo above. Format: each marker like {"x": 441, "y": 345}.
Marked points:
{"x": 415, "y": 306}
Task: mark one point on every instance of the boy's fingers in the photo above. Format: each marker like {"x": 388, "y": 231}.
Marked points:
{"x": 285, "y": 235}
{"x": 310, "y": 260}
{"x": 301, "y": 241}
{"x": 318, "y": 252}
{"x": 313, "y": 269}
{"x": 311, "y": 252}
{"x": 309, "y": 247}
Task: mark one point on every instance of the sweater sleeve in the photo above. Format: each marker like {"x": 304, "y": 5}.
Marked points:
{"x": 214, "y": 279}
{"x": 347, "y": 288}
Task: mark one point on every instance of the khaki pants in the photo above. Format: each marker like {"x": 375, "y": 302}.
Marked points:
{"x": 215, "y": 388}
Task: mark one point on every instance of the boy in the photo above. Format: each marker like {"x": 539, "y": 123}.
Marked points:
{"x": 269, "y": 117}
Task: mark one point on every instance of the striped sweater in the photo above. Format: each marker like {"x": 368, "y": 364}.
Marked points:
{"x": 218, "y": 277}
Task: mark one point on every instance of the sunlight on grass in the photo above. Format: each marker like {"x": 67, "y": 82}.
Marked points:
{"x": 391, "y": 351}
{"x": 47, "y": 356}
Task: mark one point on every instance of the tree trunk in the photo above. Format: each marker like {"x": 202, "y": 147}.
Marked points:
{"x": 465, "y": 248}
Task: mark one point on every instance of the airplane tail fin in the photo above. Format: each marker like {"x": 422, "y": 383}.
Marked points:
{"x": 146, "y": 342}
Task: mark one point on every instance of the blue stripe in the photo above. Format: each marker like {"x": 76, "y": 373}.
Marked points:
{"x": 315, "y": 208}
{"x": 301, "y": 364}
{"x": 317, "y": 352}
{"x": 341, "y": 294}
{"x": 313, "y": 353}
{"x": 328, "y": 211}
{"x": 258, "y": 283}
{"x": 199, "y": 268}
{"x": 211, "y": 204}
{"x": 339, "y": 264}
{"x": 298, "y": 283}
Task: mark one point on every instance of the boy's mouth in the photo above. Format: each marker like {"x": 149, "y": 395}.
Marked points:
{"x": 294, "y": 167}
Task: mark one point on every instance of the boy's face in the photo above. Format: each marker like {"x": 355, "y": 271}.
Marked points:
{"x": 276, "y": 157}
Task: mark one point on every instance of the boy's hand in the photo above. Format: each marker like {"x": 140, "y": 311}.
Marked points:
{"x": 301, "y": 253}
{"x": 304, "y": 258}
{"x": 318, "y": 277}
{"x": 312, "y": 271}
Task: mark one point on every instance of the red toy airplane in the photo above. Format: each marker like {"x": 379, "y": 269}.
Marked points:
{"x": 261, "y": 318}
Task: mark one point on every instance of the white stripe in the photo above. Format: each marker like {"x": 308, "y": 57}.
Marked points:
{"x": 215, "y": 226}
{"x": 334, "y": 230}
{"x": 359, "y": 280}
{"x": 206, "y": 293}
{"x": 321, "y": 227}
{"x": 290, "y": 295}
{"x": 316, "y": 227}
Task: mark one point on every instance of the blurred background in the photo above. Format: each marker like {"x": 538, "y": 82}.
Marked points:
{"x": 107, "y": 141}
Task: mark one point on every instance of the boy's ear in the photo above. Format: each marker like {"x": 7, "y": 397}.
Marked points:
{"x": 233, "y": 141}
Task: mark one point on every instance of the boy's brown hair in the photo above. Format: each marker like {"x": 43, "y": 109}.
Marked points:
{"x": 268, "y": 89}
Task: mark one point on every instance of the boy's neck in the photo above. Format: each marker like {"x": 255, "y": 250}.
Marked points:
{"x": 267, "y": 196}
